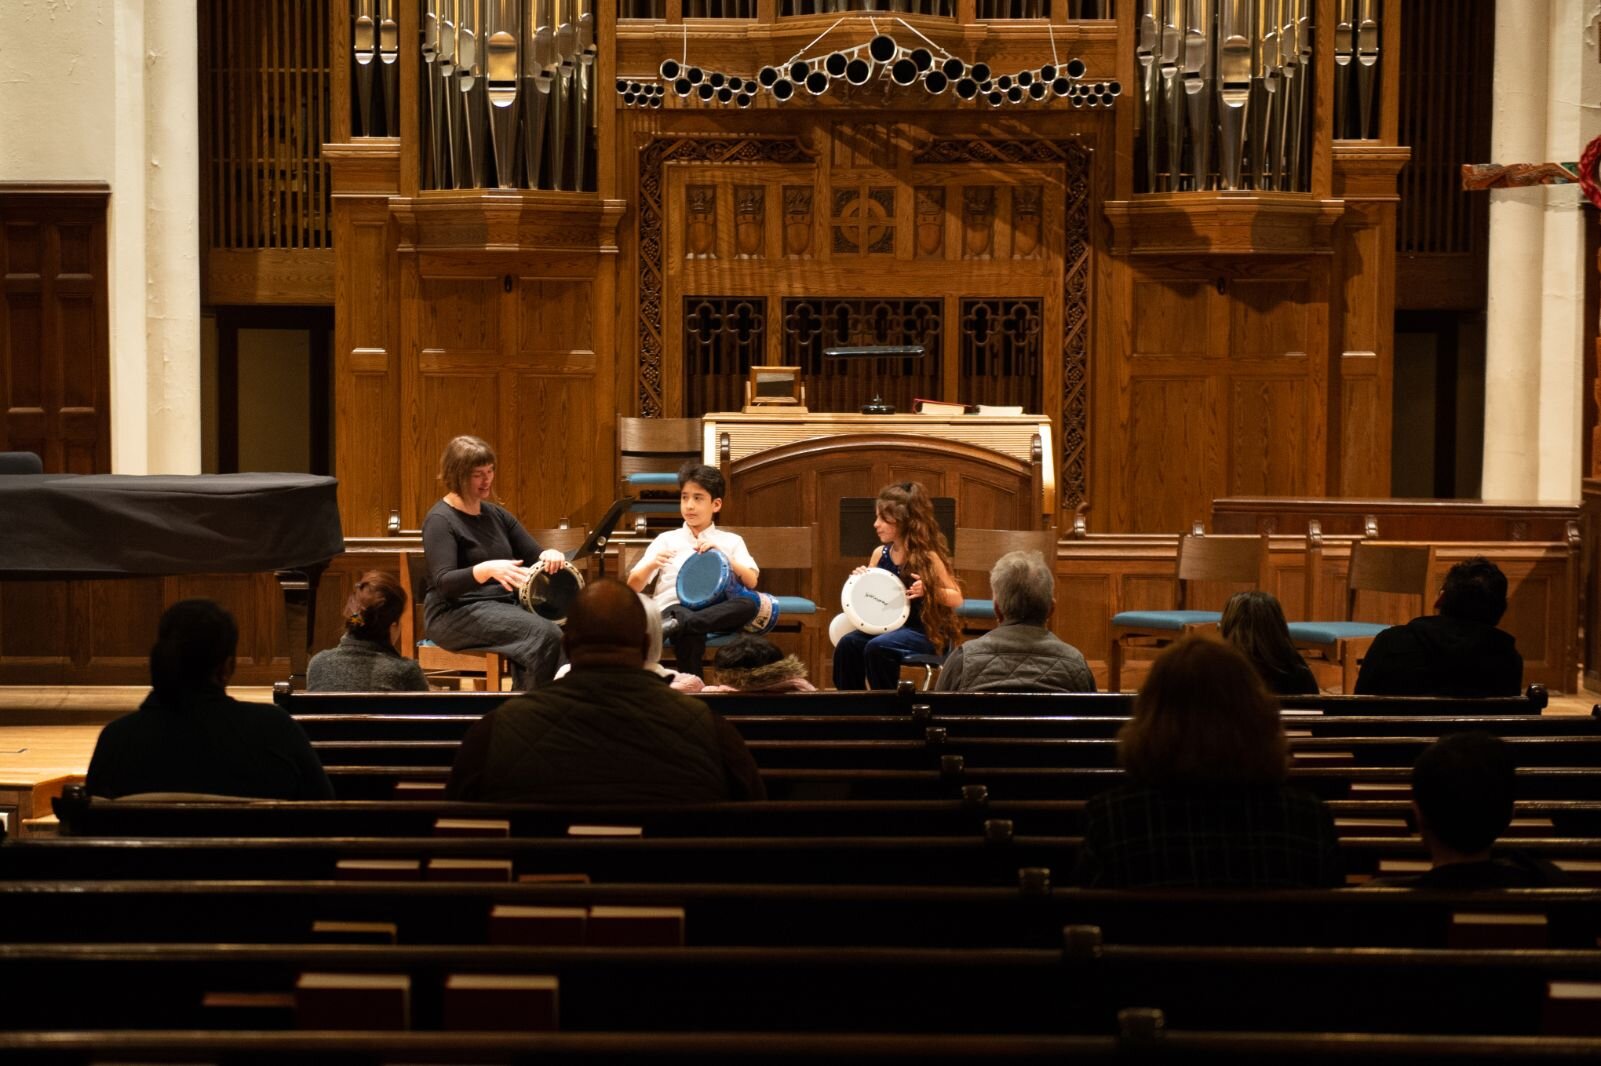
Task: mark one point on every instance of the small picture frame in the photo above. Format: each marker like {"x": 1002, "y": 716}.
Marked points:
{"x": 773, "y": 386}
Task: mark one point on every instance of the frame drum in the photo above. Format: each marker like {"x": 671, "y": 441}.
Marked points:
{"x": 549, "y": 595}
{"x": 705, "y": 579}
{"x": 875, "y": 601}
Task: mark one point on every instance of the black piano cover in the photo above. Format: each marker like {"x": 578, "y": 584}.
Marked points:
{"x": 119, "y": 525}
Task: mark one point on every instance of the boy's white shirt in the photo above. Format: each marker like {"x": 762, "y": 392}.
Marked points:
{"x": 676, "y": 545}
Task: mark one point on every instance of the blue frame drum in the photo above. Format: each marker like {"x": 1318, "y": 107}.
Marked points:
{"x": 707, "y": 578}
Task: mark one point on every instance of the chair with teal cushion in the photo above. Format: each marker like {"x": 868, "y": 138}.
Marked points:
{"x": 976, "y": 550}
{"x": 649, "y": 453}
{"x": 1404, "y": 569}
{"x": 1233, "y": 560}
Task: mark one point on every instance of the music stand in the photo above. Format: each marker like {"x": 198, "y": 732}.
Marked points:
{"x": 602, "y": 532}
{"x": 856, "y": 513}
{"x": 876, "y": 406}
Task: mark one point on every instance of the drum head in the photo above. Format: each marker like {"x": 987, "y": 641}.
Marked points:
{"x": 704, "y": 579}
{"x": 838, "y": 628}
{"x": 875, "y": 601}
{"x": 549, "y": 595}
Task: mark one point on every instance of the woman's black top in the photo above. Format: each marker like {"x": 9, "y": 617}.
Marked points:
{"x": 454, "y": 542}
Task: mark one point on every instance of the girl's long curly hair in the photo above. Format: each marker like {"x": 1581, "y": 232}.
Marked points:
{"x": 910, "y": 507}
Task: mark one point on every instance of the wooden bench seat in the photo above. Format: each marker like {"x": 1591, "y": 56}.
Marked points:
{"x": 903, "y": 699}
{"x": 838, "y": 1049}
{"x": 84, "y": 817}
{"x": 984, "y": 752}
{"x": 994, "y": 857}
{"x": 852, "y": 989}
{"x": 775, "y": 914}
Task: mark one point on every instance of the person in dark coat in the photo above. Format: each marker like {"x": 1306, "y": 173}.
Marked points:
{"x": 365, "y": 659}
{"x": 610, "y": 731}
{"x": 1206, "y": 804}
{"x": 1020, "y": 654}
{"x": 1456, "y": 652}
{"x": 1462, "y": 797}
{"x": 1254, "y": 623}
{"x": 189, "y": 735}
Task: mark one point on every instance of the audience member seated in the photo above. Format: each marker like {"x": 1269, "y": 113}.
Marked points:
{"x": 1254, "y": 623}
{"x": 608, "y": 732}
{"x": 1457, "y": 652}
{"x": 1205, "y": 804}
{"x": 679, "y": 682}
{"x": 1462, "y": 795}
{"x": 190, "y": 736}
{"x": 1020, "y": 654}
{"x": 365, "y": 659}
{"x": 755, "y": 664}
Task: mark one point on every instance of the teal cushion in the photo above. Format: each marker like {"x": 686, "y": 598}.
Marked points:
{"x": 788, "y": 605}
{"x": 1329, "y": 632}
{"x": 650, "y": 480}
{"x": 1174, "y": 620}
{"x": 654, "y": 506}
{"x": 976, "y": 609}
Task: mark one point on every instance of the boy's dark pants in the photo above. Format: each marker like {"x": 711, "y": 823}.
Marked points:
{"x": 689, "y": 639}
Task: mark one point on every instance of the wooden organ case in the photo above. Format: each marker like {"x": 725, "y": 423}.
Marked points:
{"x": 1187, "y": 335}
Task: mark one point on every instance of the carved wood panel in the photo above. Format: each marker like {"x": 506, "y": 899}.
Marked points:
{"x": 979, "y": 217}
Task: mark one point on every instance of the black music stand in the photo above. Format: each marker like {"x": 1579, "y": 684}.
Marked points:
{"x": 602, "y": 532}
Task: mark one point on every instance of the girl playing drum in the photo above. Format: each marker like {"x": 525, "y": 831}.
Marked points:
{"x": 914, "y": 550}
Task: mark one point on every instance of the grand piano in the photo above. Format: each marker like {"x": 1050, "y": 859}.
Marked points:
{"x": 59, "y": 527}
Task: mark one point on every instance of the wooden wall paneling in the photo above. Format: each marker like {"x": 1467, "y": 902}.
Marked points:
{"x": 55, "y": 361}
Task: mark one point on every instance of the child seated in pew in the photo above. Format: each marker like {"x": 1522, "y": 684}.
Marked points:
{"x": 1463, "y": 789}
{"x": 1206, "y": 803}
{"x": 365, "y": 659}
{"x": 755, "y": 664}
{"x": 190, "y": 736}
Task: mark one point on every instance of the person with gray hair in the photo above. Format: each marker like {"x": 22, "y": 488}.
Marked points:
{"x": 1020, "y": 654}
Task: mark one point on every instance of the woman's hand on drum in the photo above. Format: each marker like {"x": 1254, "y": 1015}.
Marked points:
{"x": 859, "y": 570}
{"x": 916, "y": 591}
{"x": 511, "y": 574}
{"x": 551, "y": 560}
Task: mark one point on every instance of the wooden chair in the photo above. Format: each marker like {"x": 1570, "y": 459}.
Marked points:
{"x": 1407, "y": 569}
{"x": 977, "y": 550}
{"x": 1240, "y": 560}
{"x": 481, "y": 668}
{"x": 649, "y": 453}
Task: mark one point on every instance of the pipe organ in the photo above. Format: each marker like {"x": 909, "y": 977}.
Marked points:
{"x": 1165, "y": 248}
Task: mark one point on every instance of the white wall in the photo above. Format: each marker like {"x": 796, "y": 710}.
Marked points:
{"x": 106, "y": 90}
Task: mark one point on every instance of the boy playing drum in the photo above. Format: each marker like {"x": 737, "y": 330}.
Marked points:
{"x": 700, "y": 497}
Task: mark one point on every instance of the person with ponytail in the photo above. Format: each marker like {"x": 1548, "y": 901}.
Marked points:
{"x": 914, "y": 550}
{"x": 190, "y": 736}
{"x": 365, "y": 659}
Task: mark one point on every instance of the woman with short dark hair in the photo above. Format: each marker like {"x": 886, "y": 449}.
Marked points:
{"x": 365, "y": 659}
{"x": 1206, "y": 803}
{"x": 190, "y": 736}
{"x": 478, "y": 556}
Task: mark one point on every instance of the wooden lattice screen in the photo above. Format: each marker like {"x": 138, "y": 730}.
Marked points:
{"x": 265, "y": 115}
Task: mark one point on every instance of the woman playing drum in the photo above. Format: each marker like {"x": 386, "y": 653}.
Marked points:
{"x": 478, "y": 556}
{"x": 914, "y": 550}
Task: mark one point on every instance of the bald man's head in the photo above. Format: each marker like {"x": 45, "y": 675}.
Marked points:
{"x": 606, "y": 626}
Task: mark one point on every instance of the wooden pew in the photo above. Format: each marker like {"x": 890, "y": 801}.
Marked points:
{"x": 991, "y": 857}
{"x": 983, "y": 752}
{"x": 838, "y": 1049}
{"x": 995, "y": 857}
{"x": 1536, "y": 783}
{"x": 905, "y": 698}
{"x": 84, "y": 817}
{"x": 1079, "y": 988}
{"x": 1029, "y": 915}
{"x": 906, "y": 727}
